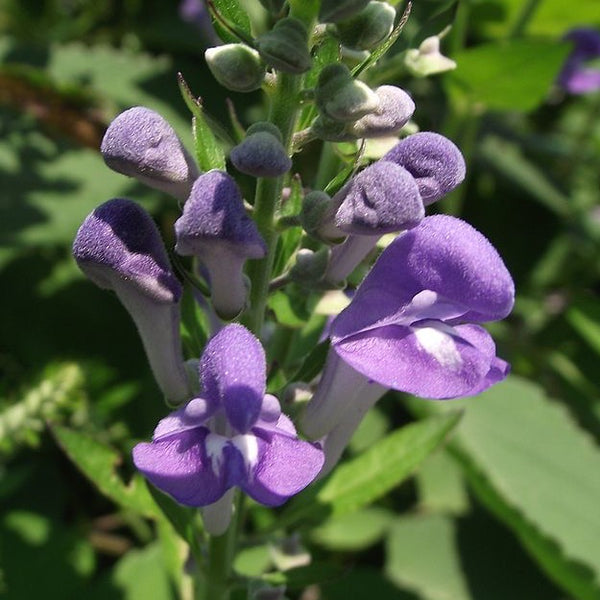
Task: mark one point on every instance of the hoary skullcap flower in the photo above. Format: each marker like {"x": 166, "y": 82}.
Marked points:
{"x": 261, "y": 153}
{"x": 119, "y": 248}
{"x": 395, "y": 109}
{"x": 140, "y": 143}
{"x": 575, "y": 77}
{"x": 427, "y": 59}
{"x": 412, "y": 325}
{"x": 233, "y": 435}
{"x": 433, "y": 160}
{"x": 383, "y": 198}
{"x": 215, "y": 228}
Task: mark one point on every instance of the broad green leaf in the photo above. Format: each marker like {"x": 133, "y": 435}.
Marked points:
{"x": 530, "y": 463}
{"x": 141, "y": 575}
{"x": 441, "y": 485}
{"x": 422, "y": 556}
{"x": 354, "y": 531}
{"x": 288, "y": 312}
{"x": 372, "y": 428}
{"x": 253, "y": 561}
{"x": 362, "y": 480}
{"x": 98, "y": 463}
{"x": 511, "y": 75}
{"x": 550, "y": 17}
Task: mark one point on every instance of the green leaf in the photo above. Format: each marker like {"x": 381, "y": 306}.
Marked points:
{"x": 510, "y": 75}
{"x": 208, "y": 151}
{"x": 422, "y": 556}
{"x": 360, "y": 481}
{"x": 355, "y": 531}
{"x": 98, "y": 463}
{"x": 372, "y": 428}
{"x": 235, "y": 15}
{"x": 584, "y": 317}
{"x": 533, "y": 467}
{"x": 287, "y": 312}
{"x": 313, "y": 363}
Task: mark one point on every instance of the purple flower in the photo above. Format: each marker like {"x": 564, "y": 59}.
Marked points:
{"x": 141, "y": 144}
{"x": 433, "y": 160}
{"x": 233, "y": 435}
{"x": 119, "y": 248}
{"x": 575, "y": 77}
{"x": 413, "y": 325}
{"x": 215, "y": 228}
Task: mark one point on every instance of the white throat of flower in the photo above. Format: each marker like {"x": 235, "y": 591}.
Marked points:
{"x": 436, "y": 339}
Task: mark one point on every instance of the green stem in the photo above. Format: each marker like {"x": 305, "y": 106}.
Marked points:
{"x": 329, "y": 166}
{"x": 523, "y": 19}
{"x": 283, "y": 113}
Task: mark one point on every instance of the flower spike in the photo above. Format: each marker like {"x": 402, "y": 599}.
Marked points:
{"x": 215, "y": 228}
{"x": 119, "y": 248}
{"x": 140, "y": 143}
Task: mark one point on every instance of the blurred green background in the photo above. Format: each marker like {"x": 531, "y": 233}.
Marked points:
{"x": 510, "y": 510}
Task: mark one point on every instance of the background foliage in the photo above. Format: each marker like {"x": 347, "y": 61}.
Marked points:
{"x": 507, "y": 507}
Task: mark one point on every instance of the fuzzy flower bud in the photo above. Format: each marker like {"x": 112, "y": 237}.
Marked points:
{"x": 433, "y": 160}
{"x": 316, "y": 205}
{"x": 261, "y": 154}
{"x": 427, "y": 59}
{"x": 395, "y": 109}
{"x": 236, "y": 67}
{"x": 119, "y": 248}
{"x": 285, "y": 47}
{"x": 342, "y": 98}
{"x": 368, "y": 28}
{"x": 215, "y": 228}
{"x": 140, "y": 143}
{"x": 333, "y": 11}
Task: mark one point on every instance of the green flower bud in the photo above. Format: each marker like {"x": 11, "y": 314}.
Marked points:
{"x": 332, "y": 131}
{"x": 342, "y": 98}
{"x": 368, "y": 28}
{"x": 273, "y": 6}
{"x": 427, "y": 59}
{"x": 236, "y": 67}
{"x": 285, "y": 47}
{"x": 310, "y": 266}
{"x": 333, "y": 11}
{"x": 315, "y": 206}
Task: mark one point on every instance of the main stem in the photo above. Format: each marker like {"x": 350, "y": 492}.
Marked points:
{"x": 283, "y": 113}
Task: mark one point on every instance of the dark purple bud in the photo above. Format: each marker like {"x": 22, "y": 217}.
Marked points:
{"x": 119, "y": 248}
{"x": 215, "y": 228}
{"x": 140, "y": 143}
{"x": 433, "y": 160}
{"x": 261, "y": 154}
{"x": 395, "y": 109}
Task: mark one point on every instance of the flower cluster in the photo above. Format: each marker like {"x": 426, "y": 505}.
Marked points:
{"x": 413, "y": 324}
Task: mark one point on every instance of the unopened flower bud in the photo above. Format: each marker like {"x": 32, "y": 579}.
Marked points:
{"x": 310, "y": 266}
{"x": 333, "y": 11}
{"x": 261, "y": 153}
{"x": 395, "y": 109}
{"x": 215, "y": 228}
{"x": 368, "y": 28}
{"x": 331, "y": 131}
{"x": 342, "y": 98}
{"x": 285, "y": 47}
{"x": 236, "y": 67}
{"x": 141, "y": 144}
{"x": 315, "y": 206}
{"x": 427, "y": 59}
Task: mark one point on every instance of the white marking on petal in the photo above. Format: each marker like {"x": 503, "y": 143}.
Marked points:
{"x": 440, "y": 344}
{"x": 247, "y": 444}
{"x": 214, "y": 449}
